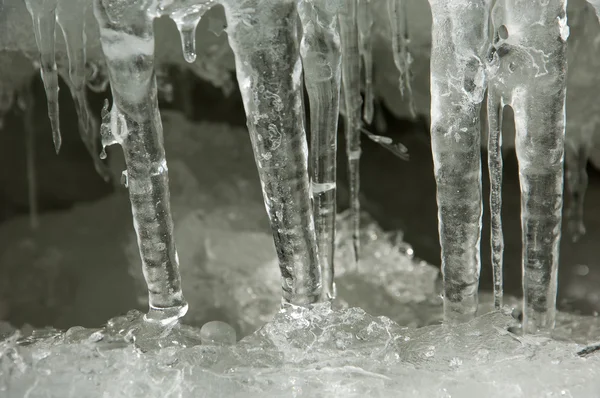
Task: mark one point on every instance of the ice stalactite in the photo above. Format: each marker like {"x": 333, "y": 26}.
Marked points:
{"x": 352, "y": 103}
{"x": 457, "y": 90}
{"x": 187, "y": 18}
{"x": 70, "y": 16}
{"x": 26, "y": 105}
{"x": 263, "y": 36}
{"x": 365, "y": 34}
{"x": 495, "y": 107}
{"x": 127, "y": 38}
{"x": 321, "y": 60}
{"x": 400, "y": 48}
{"x": 531, "y": 70}
{"x": 43, "y": 14}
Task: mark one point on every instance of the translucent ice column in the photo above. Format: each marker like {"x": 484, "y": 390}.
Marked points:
{"x": 352, "y": 104}
{"x": 127, "y": 38}
{"x": 530, "y": 76}
{"x": 457, "y": 89}
{"x": 263, "y": 36}
{"x": 321, "y": 60}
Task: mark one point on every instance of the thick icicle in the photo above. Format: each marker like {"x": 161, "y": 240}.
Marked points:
{"x": 532, "y": 66}
{"x": 494, "y": 111}
{"x": 457, "y": 90}
{"x": 70, "y": 16}
{"x": 352, "y": 101}
{"x": 43, "y": 14}
{"x": 400, "y": 42}
{"x": 365, "y": 30}
{"x": 321, "y": 59}
{"x": 263, "y": 36}
{"x": 127, "y": 38}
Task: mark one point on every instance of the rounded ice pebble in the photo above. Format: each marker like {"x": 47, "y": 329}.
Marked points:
{"x": 217, "y": 333}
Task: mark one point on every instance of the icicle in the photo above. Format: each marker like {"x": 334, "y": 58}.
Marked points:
{"x": 397, "y": 148}
{"x": 494, "y": 111}
{"x": 321, "y": 59}
{"x": 400, "y": 48}
{"x": 577, "y": 181}
{"x": 43, "y": 13}
{"x": 127, "y": 38}
{"x": 532, "y": 69}
{"x": 365, "y": 29}
{"x": 70, "y": 16}
{"x": 352, "y": 99}
{"x": 187, "y": 19}
{"x": 26, "y": 103}
{"x": 457, "y": 90}
{"x": 7, "y": 96}
{"x": 263, "y": 36}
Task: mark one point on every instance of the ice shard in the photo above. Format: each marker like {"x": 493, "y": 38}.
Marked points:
{"x": 321, "y": 60}
{"x": 457, "y": 90}
{"x": 186, "y": 16}
{"x": 352, "y": 107}
{"x": 263, "y": 36}
{"x": 127, "y": 38}
{"x": 43, "y": 14}
{"x": 531, "y": 77}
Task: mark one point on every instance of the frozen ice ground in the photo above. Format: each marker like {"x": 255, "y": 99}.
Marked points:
{"x": 228, "y": 275}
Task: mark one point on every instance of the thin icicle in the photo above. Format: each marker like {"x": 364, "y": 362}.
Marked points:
{"x": 321, "y": 59}
{"x": 26, "y": 103}
{"x": 365, "y": 29}
{"x": 532, "y": 66}
{"x": 70, "y": 16}
{"x": 352, "y": 99}
{"x": 494, "y": 111}
{"x": 457, "y": 90}
{"x": 400, "y": 48}
{"x": 43, "y": 14}
{"x": 127, "y": 38}
{"x": 577, "y": 181}
{"x": 263, "y": 36}
{"x": 7, "y": 95}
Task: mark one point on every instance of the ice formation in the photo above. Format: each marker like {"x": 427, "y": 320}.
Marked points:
{"x": 509, "y": 49}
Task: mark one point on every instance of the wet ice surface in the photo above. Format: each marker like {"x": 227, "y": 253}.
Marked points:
{"x": 315, "y": 353}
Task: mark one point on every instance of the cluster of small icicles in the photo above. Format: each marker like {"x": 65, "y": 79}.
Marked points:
{"x": 332, "y": 59}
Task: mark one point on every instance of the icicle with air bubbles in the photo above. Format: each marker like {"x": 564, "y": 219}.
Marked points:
{"x": 400, "y": 48}
{"x": 71, "y": 16}
{"x": 365, "y": 34}
{"x": 263, "y": 36}
{"x": 321, "y": 60}
{"x": 531, "y": 57}
{"x": 187, "y": 18}
{"x": 43, "y": 14}
{"x": 127, "y": 38}
{"x": 494, "y": 111}
{"x": 460, "y": 39}
{"x": 352, "y": 104}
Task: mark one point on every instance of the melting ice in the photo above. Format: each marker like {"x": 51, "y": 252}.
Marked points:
{"x": 509, "y": 50}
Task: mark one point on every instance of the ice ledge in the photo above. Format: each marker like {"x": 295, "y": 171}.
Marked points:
{"x": 318, "y": 352}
